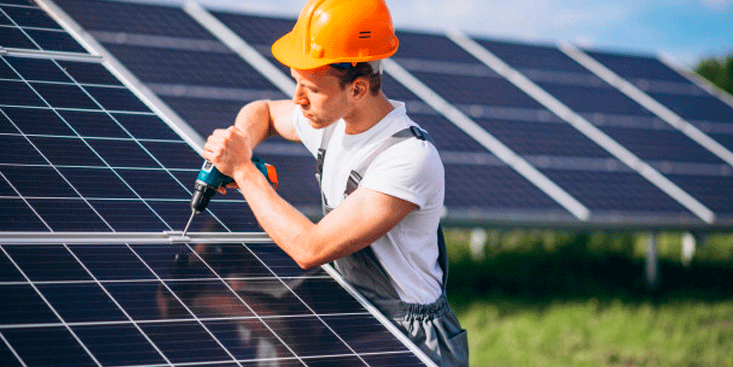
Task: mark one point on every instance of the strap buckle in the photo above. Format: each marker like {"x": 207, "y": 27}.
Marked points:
{"x": 419, "y": 133}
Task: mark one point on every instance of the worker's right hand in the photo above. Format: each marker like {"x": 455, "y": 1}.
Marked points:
{"x": 230, "y": 150}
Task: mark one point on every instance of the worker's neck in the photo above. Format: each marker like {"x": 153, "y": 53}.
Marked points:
{"x": 367, "y": 113}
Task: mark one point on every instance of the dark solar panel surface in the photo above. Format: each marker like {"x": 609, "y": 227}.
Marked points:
{"x": 627, "y": 122}
{"x": 258, "y": 31}
{"x": 170, "y": 52}
{"x": 193, "y": 73}
{"x": 112, "y": 305}
{"x": 134, "y": 18}
{"x": 521, "y": 123}
{"x": 605, "y": 106}
{"x": 24, "y": 25}
{"x": 77, "y": 139}
{"x": 673, "y": 90}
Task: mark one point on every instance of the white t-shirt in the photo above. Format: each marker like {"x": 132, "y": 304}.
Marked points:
{"x": 410, "y": 170}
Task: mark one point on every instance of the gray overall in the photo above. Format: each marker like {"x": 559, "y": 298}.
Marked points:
{"x": 432, "y": 327}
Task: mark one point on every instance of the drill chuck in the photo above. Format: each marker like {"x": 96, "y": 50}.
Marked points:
{"x": 201, "y": 196}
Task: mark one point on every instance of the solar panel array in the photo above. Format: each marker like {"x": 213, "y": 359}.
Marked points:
{"x": 80, "y": 152}
{"x": 573, "y": 161}
{"x": 704, "y": 176}
{"x": 206, "y": 83}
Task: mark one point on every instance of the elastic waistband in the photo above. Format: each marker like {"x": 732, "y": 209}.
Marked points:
{"x": 397, "y": 309}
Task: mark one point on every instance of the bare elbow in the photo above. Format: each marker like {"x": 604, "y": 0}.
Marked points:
{"x": 307, "y": 257}
{"x": 307, "y": 262}
{"x": 307, "y": 265}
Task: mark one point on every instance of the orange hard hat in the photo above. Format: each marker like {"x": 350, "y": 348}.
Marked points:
{"x": 337, "y": 31}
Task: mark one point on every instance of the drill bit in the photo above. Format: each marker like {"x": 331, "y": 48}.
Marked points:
{"x": 190, "y": 219}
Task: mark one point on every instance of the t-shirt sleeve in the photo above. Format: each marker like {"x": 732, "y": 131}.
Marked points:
{"x": 411, "y": 171}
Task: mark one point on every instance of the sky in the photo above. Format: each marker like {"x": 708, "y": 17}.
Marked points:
{"x": 685, "y": 30}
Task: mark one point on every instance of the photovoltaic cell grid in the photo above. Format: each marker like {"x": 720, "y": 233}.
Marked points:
{"x": 712, "y": 184}
{"x": 582, "y": 168}
{"x": 258, "y": 31}
{"x": 195, "y": 74}
{"x": 82, "y": 153}
{"x": 187, "y": 67}
{"x": 467, "y": 163}
{"x": 74, "y": 137}
{"x": 682, "y": 160}
{"x": 24, "y": 25}
{"x": 163, "y": 305}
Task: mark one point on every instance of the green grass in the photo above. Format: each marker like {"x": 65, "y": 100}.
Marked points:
{"x": 593, "y": 333}
{"x": 546, "y": 298}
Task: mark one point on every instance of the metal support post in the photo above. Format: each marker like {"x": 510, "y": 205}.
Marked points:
{"x": 652, "y": 269}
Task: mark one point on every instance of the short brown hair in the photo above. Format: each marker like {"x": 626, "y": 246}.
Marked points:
{"x": 362, "y": 69}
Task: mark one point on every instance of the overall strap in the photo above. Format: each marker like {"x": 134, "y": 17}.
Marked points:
{"x": 327, "y": 133}
{"x": 358, "y": 173}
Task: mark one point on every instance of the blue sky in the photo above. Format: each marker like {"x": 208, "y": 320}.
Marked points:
{"x": 686, "y": 30}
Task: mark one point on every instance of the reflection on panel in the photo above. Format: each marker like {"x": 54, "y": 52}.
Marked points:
{"x": 184, "y": 304}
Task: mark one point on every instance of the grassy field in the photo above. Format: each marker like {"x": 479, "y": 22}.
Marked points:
{"x": 547, "y": 298}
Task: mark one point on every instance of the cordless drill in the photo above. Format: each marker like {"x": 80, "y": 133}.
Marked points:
{"x": 210, "y": 180}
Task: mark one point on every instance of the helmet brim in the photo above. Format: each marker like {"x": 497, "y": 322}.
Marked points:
{"x": 290, "y": 53}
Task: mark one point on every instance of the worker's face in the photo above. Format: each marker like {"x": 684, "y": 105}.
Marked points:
{"x": 319, "y": 95}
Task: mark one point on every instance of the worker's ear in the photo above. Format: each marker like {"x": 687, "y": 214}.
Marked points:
{"x": 359, "y": 88}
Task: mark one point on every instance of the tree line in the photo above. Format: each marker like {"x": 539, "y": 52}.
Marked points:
{"x": 719, "y": 72}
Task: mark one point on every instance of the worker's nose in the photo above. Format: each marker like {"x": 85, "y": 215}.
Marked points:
{"x": 299, "y": 97}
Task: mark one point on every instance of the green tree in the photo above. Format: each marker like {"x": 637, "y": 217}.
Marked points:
{"x": 719, "y": 72}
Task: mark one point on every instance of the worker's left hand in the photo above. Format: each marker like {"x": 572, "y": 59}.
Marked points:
{"x": 229, "y": 149}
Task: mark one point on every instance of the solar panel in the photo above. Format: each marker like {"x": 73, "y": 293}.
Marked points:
{"x": 81, "y": 153}
{"x": 589, "y": 173}
{"x": 85, "y": 128}
{"x": 24, "y": 25}
{"x": 196, "y": 75}
{"x": 176, "y": 57}
{"x": 69, "y": 304}
{"x": 501, "y": 191}
{"x": 623, "y": 119}
{"x": 698, "y": 106}
{"x": 259, "y": 31}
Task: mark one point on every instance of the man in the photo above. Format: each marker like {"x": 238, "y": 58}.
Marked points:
{"x": 381, "y": 231}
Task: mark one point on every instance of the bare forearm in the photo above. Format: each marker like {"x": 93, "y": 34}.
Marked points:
{"x": 287, "y": 227}
{"x": 265, "y": 118}
{"x": 255, "y": 120}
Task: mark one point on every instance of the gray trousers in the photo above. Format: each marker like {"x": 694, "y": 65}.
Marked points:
{"x": 434, "y": 327}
